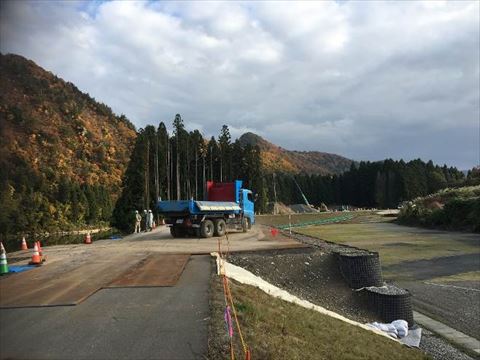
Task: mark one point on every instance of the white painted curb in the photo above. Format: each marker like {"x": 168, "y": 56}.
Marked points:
{"x": 246, "y": 277}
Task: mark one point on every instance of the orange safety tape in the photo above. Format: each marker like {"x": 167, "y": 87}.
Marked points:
{"x": 232, "y": 354}
{"x": 229, "y": 293}
{"x": 228, "y": 297}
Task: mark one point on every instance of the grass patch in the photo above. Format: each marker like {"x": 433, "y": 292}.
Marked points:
{"x": 275, "y": 329}
{"x": 466, "y": 276}
{"x": 393, "y": 243}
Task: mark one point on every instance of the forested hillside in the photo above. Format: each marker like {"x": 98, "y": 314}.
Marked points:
{"x": 382, "y": 184}
{"x": 62, "y": 154}
{"x": 277, "y": 159}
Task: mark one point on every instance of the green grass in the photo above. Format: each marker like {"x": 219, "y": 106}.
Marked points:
{"x": 275, "y": 329}
{"x": 394, "y": 243}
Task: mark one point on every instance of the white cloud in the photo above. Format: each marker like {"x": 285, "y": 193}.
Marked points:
{"x": 364, "y": 79}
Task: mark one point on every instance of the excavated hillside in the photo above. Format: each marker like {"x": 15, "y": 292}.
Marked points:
{"x": 51, "y": 128}
{"x": 277, "y": 159}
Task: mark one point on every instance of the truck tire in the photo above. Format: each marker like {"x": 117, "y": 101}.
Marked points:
{"x": 173, "y": 231}
{"x": 245, "y": 224}
{"x": 220, "y": 227}
{"x": 206, "y": 228}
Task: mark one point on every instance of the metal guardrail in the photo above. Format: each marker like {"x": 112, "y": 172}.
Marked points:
{"x": 316, "y": 222}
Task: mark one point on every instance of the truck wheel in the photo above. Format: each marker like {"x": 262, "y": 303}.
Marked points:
{"x": 245, "y": 224}
{"x": 206, "y": 228}
{"x": 220, "y": 227}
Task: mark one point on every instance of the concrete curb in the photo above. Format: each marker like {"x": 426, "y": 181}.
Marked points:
{"x": 448, "y": 333}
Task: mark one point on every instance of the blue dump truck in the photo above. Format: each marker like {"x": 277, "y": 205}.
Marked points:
{"x": 228, "y": 205}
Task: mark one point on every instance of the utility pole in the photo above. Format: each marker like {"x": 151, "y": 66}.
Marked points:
{"x": 147, "y": 176}
{"x": 221, "y": 166}
{"x": 167, "y": 167}
{"x": 177, "y": 165}
{"x": 157, "y": 177}
{"x": 274, "y": 196}
{"x": 196, "y": 172}
{"x": 204, "y": 179}
{"x": 187, "y": 180}
{"x": 211, "y": 165}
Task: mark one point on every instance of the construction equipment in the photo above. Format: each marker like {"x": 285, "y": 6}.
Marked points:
{"x": 301, "y": 192}
{"x": 227, "y": 205}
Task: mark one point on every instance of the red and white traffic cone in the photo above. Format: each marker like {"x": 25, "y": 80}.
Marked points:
{"x": 24, "y": 244}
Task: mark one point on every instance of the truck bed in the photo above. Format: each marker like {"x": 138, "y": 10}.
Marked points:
{"x": 197, "y": 207}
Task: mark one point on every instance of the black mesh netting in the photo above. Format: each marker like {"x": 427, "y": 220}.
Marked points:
{"x": 360, "y": 268}
{"x": 391, "y": 303}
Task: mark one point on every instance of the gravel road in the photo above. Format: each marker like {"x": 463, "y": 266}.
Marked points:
{"x": 455, "y": 306}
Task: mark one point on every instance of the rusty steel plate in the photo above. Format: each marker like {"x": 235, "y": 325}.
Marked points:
{"x": 155, "y": 270}
{"x": 63, "y": 283}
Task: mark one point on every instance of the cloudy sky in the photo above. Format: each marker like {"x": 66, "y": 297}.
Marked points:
{"x": 367, "y": 80}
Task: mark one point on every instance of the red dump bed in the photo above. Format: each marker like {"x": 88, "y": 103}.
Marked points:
{"x": 223, "y": 191}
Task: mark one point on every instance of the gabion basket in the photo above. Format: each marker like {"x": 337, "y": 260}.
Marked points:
{"x": 391, "y": 303}
{"x": 359, "y": 268}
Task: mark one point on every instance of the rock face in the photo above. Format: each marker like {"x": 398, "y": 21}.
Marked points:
{"x": 53, "y": 129}
{"x": 277, "y": 159}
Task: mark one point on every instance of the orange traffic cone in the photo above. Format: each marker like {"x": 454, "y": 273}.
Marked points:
{"x": 24, "y": 244}
{"x": 40, "y": 251}
{"x": 36, "y": 259}
{"x": 88, "y": 238}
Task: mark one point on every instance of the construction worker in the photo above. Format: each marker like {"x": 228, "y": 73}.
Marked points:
{"x": 145, "y": 220}
{"x": 138, "y": 220}
{"x": 150, "y": 220}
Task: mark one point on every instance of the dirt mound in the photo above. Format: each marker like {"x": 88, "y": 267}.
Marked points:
{"x": 283, "y": 209}
{"x": 302, "y": 208}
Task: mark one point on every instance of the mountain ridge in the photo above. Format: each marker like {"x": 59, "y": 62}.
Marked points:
{"x": 48, "y": 123}
{"x": 277, "y": 159}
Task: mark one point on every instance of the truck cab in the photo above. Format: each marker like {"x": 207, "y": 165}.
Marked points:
{"x": 247, "y": 204}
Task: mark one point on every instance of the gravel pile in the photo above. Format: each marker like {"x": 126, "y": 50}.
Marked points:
{"x": 310, "y": 274}
{"x": 387, "y": 290}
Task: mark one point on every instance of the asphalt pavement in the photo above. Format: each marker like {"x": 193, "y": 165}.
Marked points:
{"x": 121, "y": 323}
